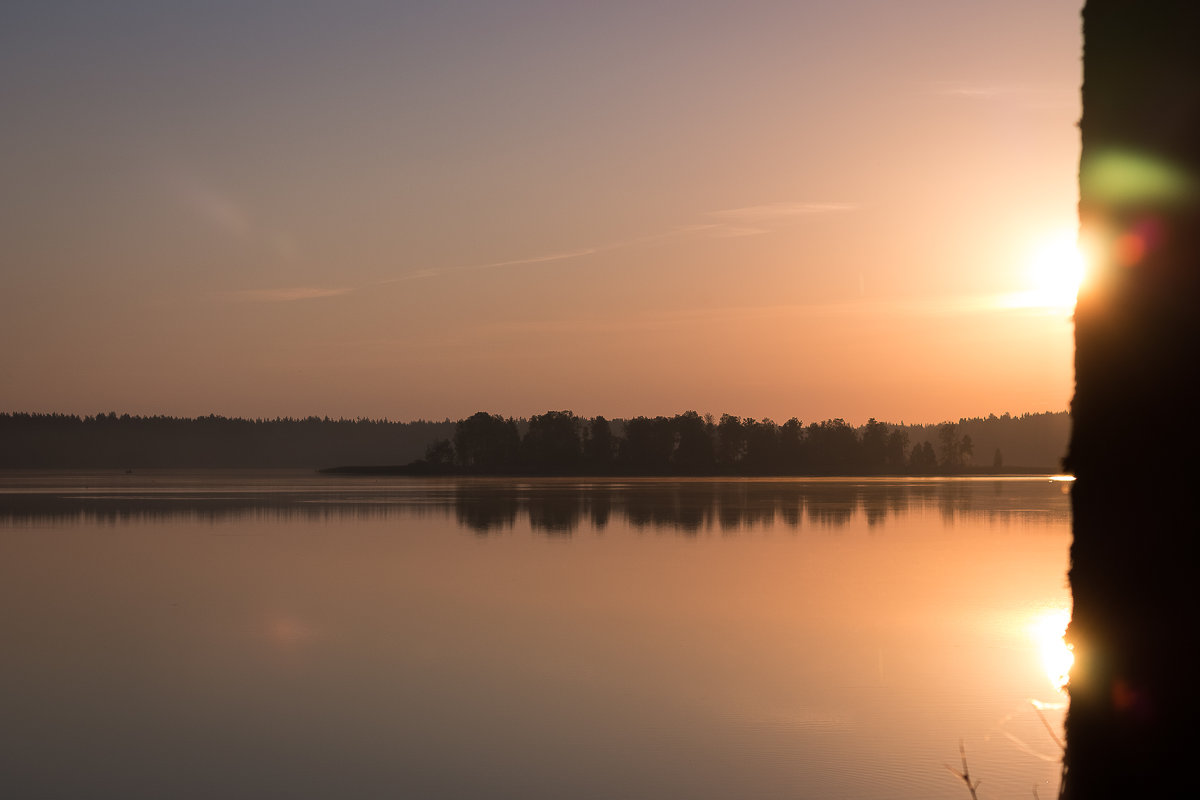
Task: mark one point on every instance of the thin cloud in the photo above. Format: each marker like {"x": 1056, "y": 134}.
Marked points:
{"x": 736, "y": 231}
{"x": 777, "y": 211}
{"x": 218, "y": 210}
{"x": 222, "y": 212}
{"x": 563, "y": 256}
{"x": 415, "y": 275}
{"x": 657, "y": 321}
{"x": 976, "y": 91}
{"x": 433, "y": 272}
{"x": 1027, "y": 98}
{"x": 756, "y": 220}
{"x": 729, "y": 223}
{"x": 685, "y": 317}
{"x": 287, "y": 294}
{"x": 293, "y": 293}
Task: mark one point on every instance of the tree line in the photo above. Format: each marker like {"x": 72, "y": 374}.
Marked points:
{"x": 560, "y": 443}
{"x": 111, "y": 441}
{"x": 557, "y": 442}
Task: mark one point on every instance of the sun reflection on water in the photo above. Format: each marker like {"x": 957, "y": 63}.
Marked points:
{"x": 1047, "y": 630}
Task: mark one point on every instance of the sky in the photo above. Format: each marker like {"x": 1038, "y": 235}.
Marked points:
{"x": 834, "y": 208}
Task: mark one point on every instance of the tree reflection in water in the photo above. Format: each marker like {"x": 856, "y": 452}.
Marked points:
{"x": 562, "y": 507}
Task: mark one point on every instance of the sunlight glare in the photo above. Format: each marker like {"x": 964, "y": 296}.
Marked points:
{"x": 1056, "y": 271}
{"x": 1047, "y": 631}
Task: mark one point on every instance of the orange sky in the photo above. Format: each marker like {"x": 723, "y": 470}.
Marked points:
{"x": 767, "y": 209}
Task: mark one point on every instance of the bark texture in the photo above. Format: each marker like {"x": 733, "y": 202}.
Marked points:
{"x": 1131, "y": 728}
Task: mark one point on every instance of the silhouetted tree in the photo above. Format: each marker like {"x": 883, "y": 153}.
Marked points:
{"x": 648, "y": 446}
{"x": 731, "y": 443}
{"x": 896, "y": 458}
{"x": 874, "y": 446}
{"x": 552, "y": 444}
{"x": 440, "y": 454}
{"x": 690, "y": 443}
{"x": 486, "y": 443}
{"x": 923, "y": 460}
{"x": 599, "y": 447}
{"x": 693, "y": 445}
{"x": 762, "y": 447}
{"x": 949, "y": 447}
{"x": 1131, "y": 726}
{"x": 128, "y": 441}
{"x": 833, "y": 448}
{"x": 791, "y": 447}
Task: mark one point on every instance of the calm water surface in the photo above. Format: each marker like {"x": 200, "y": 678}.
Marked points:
{"x": 255, "y": 635}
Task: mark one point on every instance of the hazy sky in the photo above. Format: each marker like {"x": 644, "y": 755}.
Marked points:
{"x": 411, "y": 210}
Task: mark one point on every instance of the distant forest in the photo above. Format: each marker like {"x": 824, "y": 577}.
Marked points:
{"x": 554, "y": 443}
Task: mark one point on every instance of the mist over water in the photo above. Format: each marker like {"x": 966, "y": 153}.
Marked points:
{"x": 281, "y": 634}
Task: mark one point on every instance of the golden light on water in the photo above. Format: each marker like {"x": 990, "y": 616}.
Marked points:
{"x": 1047, "y": 630}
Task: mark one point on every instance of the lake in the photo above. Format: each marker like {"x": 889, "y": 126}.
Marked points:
{"x": 290, "y": 635}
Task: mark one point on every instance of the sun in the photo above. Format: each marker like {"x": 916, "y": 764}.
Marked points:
{"x": 1055, "y": 272}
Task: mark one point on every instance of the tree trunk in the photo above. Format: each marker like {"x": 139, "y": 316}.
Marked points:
{"x": 1131, "y": 728}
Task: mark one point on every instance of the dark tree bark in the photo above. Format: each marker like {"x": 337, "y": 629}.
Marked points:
{"x": 1131, "y": 728}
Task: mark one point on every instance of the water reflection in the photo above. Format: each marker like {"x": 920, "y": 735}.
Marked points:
{"x": 561, "y": 638}
{"x": 1048, "y": 630}
{"x": 552, "y": 507}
